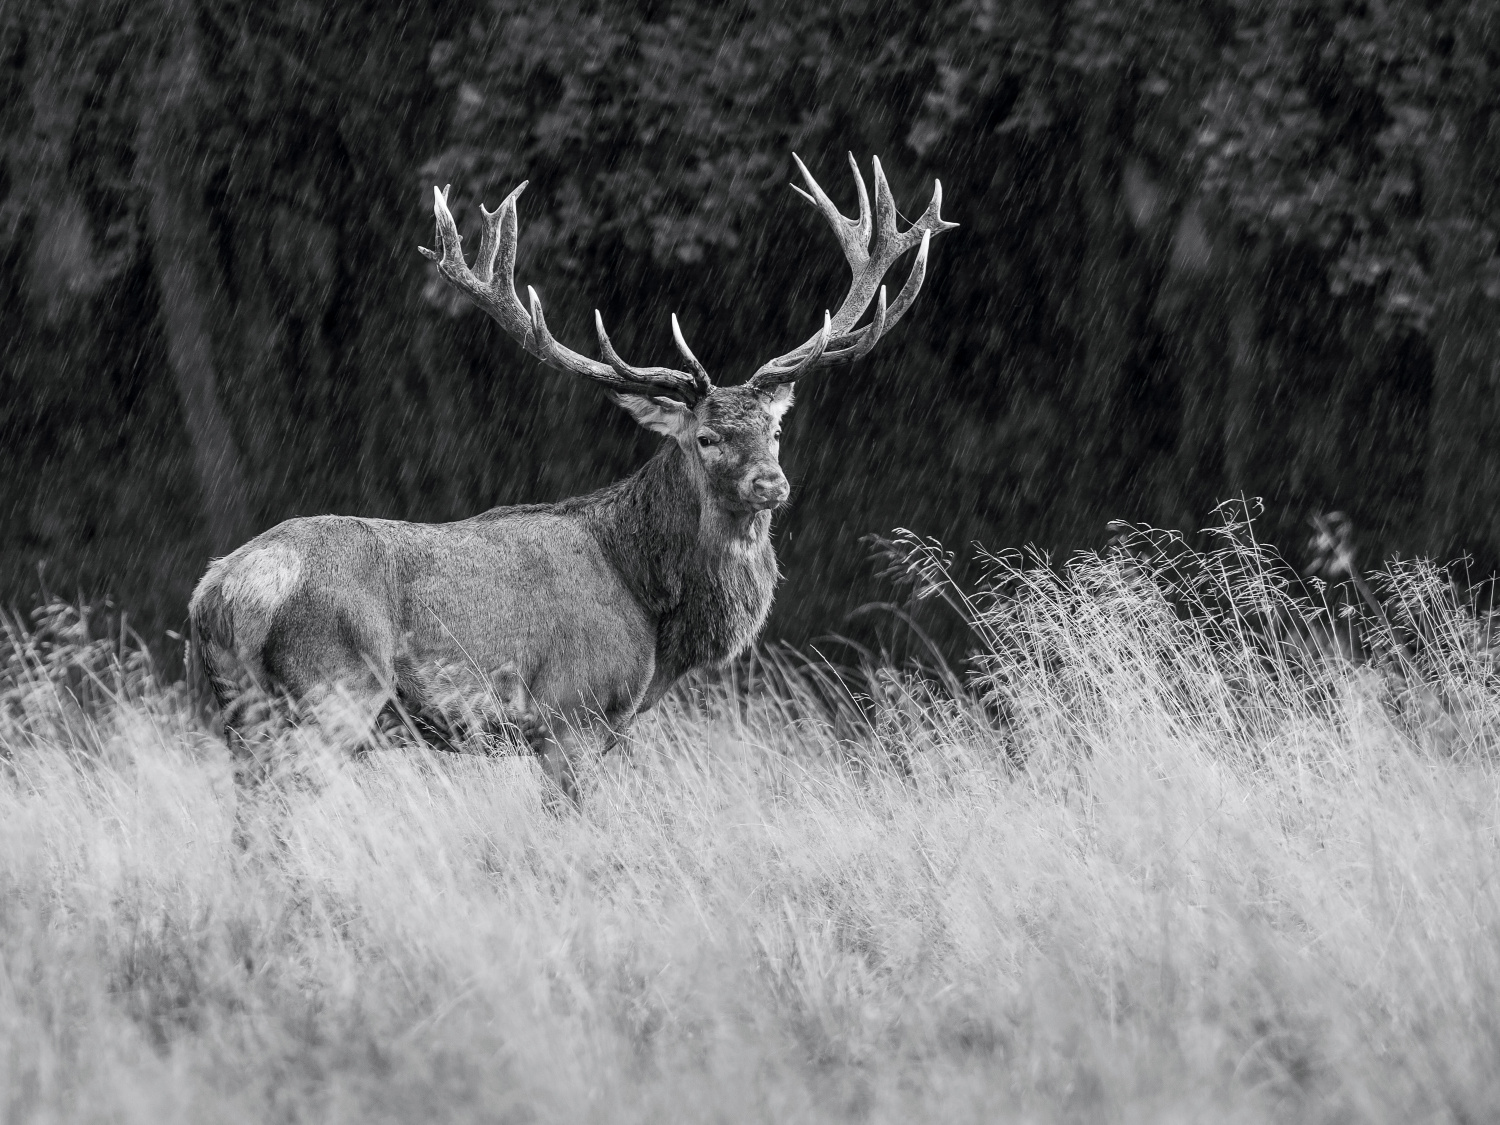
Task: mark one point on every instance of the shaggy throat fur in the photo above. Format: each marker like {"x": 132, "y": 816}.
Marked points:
{"x": 708, "y": 582}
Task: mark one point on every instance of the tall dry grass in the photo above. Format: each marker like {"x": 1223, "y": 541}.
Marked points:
{"x": 1166, "y": 858}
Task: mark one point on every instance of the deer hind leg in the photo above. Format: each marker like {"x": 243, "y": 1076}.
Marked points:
{"x": 461, "y": 710}
{"x": 250, "y": 712}
{"x": 341, "y": 675}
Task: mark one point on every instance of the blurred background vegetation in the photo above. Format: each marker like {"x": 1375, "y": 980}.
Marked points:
{"x": 1208, "y": 248}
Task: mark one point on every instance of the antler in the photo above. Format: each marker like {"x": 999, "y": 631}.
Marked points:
{"x": 495, "y": 293}
{"x": 838, "y": 343}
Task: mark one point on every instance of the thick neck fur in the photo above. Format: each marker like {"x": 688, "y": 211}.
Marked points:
{"x": 706, "y": 575}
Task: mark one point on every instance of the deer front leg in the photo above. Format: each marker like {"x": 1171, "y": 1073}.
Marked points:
{"x": 565, "y": 746}
{"x": 561, "y": 748}
{"x": 661, "y": 682}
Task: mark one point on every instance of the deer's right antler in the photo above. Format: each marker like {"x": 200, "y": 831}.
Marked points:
{"x": 495, "y": 292}
{"x": 839, "y": 342}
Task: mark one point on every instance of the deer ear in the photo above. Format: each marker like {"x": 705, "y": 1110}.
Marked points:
{"x": 779, "y": 401}
{"x": 664, "y": 416}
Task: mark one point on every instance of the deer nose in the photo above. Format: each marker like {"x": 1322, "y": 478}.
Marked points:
{"x": 770, "y": 489}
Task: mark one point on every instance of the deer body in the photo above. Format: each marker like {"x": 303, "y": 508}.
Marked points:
{"x": 595, "y": 605}
{"x": 423, "y": 615}
{"x": 560, "y": 619}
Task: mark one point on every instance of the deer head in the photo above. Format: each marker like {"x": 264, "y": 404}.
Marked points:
{"x": 730, "y": 435}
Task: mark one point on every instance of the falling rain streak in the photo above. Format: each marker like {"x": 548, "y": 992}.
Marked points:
{"x": 1204, "y": 254}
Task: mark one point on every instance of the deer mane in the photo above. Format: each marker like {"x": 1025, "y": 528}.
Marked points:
{"x": 708, "y": 582}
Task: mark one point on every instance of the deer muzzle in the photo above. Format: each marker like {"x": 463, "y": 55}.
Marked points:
{"x": 769, "y": 489}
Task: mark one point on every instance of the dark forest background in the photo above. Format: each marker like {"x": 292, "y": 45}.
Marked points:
{"x": 1208, "y": 249}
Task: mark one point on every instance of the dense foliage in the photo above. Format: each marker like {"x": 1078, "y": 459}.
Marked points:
{"x": 1207, "y": 249}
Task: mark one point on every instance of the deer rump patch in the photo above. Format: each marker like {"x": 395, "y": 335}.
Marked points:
{"x": 262, "y": 579}
{"x": 239, "y": 597}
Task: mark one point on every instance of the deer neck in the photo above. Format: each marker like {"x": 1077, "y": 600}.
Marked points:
{"x": 705, "y": 574}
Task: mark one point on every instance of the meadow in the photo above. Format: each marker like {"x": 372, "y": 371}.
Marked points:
{"x": 1166, "y": 850}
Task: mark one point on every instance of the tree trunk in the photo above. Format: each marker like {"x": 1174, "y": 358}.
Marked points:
{"x": 1105, "y": 263}
{"x": 1463, "y": 430}
{"x": 1103, "y": 319}
{"x": 180, "y": 242}
{"x": 1244, "y": 377}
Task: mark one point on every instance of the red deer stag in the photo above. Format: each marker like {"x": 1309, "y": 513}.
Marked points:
{"x": 566, "y": 619}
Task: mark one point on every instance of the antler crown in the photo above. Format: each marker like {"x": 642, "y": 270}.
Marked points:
{"x": 871, "y": 244}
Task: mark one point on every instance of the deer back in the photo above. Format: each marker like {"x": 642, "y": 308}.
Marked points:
{"x": 332, "y": 599}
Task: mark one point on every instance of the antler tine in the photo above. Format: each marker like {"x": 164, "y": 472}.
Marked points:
{"x": 787, "y": 372}
{"x": 820, "y": 343}
{"x": 494, "y": 291}
{"x": 500, "y": 230}
{"x": 885, "y": 213}
{"x": 878, "y": 325}
{"x": 913, "y": 284}
{"x": 843, "y": 350}
{"x": 540, "y": 342}
{"x": 853, "y": 234}
{"x": 654, "y": 379}
{"x": 700, "y": 375}
{"x": 445, "y": 231}
{"x": 864, "y": 200}
{"x": 883, "y": 244}
{"x": 439, "y": 205}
